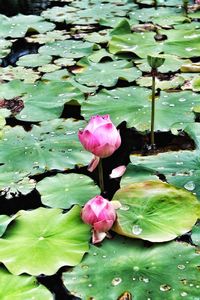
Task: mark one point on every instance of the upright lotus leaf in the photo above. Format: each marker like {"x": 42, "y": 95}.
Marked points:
{"x": 133, "y": 105}
{"x": 52, "y": 145}
{"x": 107, "y": 73}
{"x": 63, "y": 191}
{"x": 18, "y": 26}
{"x": 196, "y": 234}
{"x": 4, "y": 222}
{"x": 5, "y": 47}
{"x": 67, "y": 48}
{"x": 22, "y": 287}
{"x": 43, "y": 240}
{"x": 123, "y": 267}
{"x": 155, "y": 211}
{"x": 34, "y": 60}
{"x": 46, "y": 100}
{"x": 181, "y": 168}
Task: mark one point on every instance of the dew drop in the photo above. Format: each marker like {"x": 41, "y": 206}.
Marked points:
{"x": 116, "y": 281}
{"x": 136, "y": 268}
{"x": 179, "y": 163}
{"x": 89, "y": 285}
{"x": 136, "y": 230}
{"x": 183, "y": 294}
{"x": 124, "y": 207}
{"x": 190, "y": 186}
{"x": 181, "y": 267}
{"x": 165, "y": 287}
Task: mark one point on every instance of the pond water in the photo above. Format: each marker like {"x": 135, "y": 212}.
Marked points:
{"x": 13, "y": 7}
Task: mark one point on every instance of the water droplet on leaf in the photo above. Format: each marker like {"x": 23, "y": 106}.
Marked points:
{"x": 136, "y": 230}
{"x": 116, "y": 281}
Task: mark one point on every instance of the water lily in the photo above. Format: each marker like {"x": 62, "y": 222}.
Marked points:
{"x": 100, "y": 136}
{"x": 100, "y": 214}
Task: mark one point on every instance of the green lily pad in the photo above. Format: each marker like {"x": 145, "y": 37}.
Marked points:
{"x": 34, "y": 60}
{"x": 62, "y": 239}
{"x": 19, "y": 25}
{"x": 46, "y": 100}
{"x": 5, "y": 47}
{"x": 106, "y": 74}
{"x": 21, "y": 287}
{"x": 58, "y": 75}
{"x": 67, "y": 48}
{"x": 63, "y": 191}
{"x": 174, "y": 83}
{"x": 98, "y": 37}
{"x": 52, "y": 145}
{"x": 48, "y": 37}
{"x": 48, "y": 68}
{"x": 155, "y": 211}
{"x": 126, "y": 267}
{"x": 13, "y": 182}
{"x": 133, "y": 104}
{"x": 60, "y": 14}
{"x": 11, "y": 73}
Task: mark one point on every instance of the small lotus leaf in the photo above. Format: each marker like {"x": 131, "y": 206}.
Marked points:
{"x": 123, "y": 267}
{"x": 62, "y": 191}
{"x": 22, "y": 287}
{"x": 155, "y": 211}
{"x": 62, "y": 239}
{"x": 34, "y": 60}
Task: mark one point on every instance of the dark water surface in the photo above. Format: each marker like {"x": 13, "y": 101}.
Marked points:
{"x": 13, "y": 7}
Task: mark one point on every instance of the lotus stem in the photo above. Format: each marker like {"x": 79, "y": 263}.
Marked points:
{"x": 153, "y": 72}
{"x": 101, "y": 180}
{"x": 155, "y": 3}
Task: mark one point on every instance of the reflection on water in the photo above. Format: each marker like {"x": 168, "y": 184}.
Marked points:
{"x": 13, "y": 7}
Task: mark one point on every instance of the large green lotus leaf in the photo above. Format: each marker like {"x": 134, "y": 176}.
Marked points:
{"x": 181, "y": 168}
{"x": 18, "y": 26}
{"x": 43, "y": 240}
{"x": 46, "y": 100}
{"x": 11, "y": 73}
{"x": 107, "y": 74}
{"x": 141, "y": 44}
{"x": 4, "y": 47}
{"x": 98, "y": 55}
{"x": 61, "y": 190}
{"x": 13, "y": 88}
{"x": 133, "y": 105}
{"x": 67, "y": 48}
{"x": 123, "y": 266}
{"x": 34, "y": 60}
{"x": 4, "y": 222}
{"x": 196, "y": 235}
{"x": 22, "y": 287}
{"x": 155, "y": 211}
{"x": 52, "y": 145}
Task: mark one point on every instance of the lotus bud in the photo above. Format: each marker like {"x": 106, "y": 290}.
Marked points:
{"x": 100, "y": 136}
{"x": 100, "y": 214}
{"x": 155, "y": 62}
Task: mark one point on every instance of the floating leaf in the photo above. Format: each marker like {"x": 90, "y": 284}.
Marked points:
{"x": 18, "y": 26}
{"x": 44, "y": 148}
{"x": 21, "y": 287}
{"x": 11, "y": 73}
{"x": 4, "y": 222}
{"x": 196, "y": 235}
{"x": 5, "y": 47}
{"x": 132, "y": 104}
{"x": 125, "y": 267}
{"x": 62, "y": 191}
{"x": 34, "y": 60}
{"x": 107, "y": 74}
{"x": 155, "y": 211}
{"x": 62, "y": 239}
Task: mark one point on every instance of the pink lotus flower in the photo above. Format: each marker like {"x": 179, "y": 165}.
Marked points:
{"x": 100, "y": 137}
{"x": 100, "y": 214}
{"x": 197, "y": 1}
